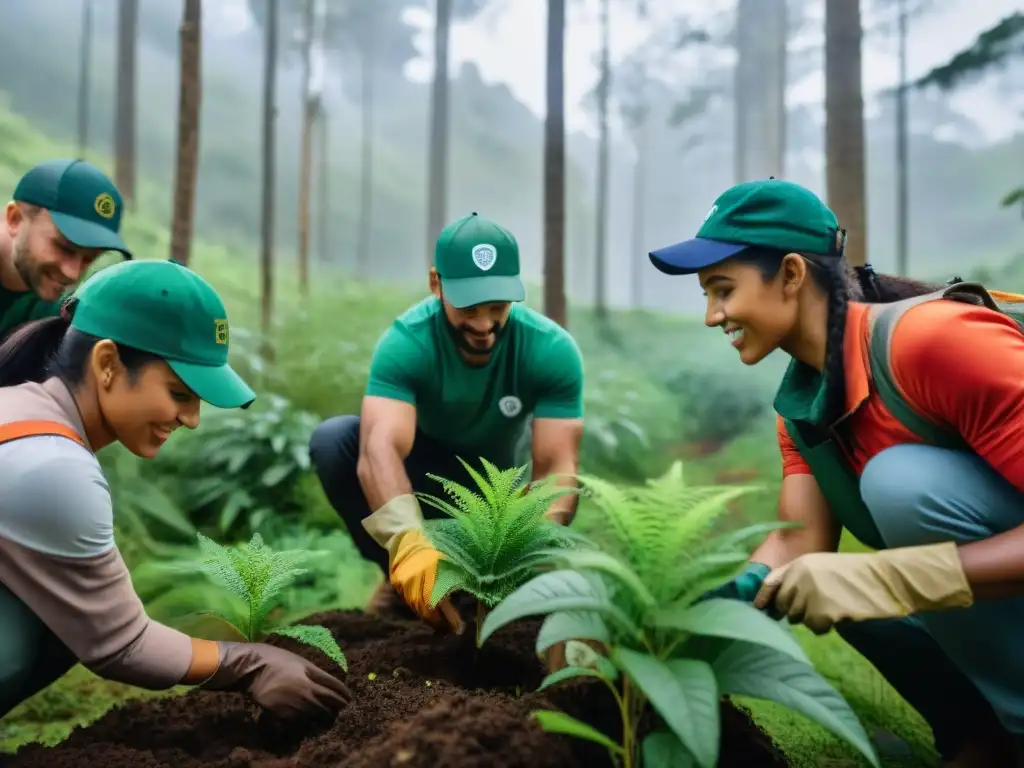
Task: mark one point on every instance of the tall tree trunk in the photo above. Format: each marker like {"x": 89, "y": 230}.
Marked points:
{"x": 84, "y": 77}
{"x": 601, "y": 224}
{"x": 189, "y": 102}
{"x": 124, "y": 131}
{"x": 760, "y": 83}
{"x": 368, "y": 65}
{"x": 641, "y": 145}
{"x": 437, "y": 174}
{"x": 268, "y": 161}
{"x": 306, "y": 149}
{"x": 844, "y": 123}
{"x": 902, "y": 170}
{"x": 323, "y": 184}
{"x": 554, "y": 167}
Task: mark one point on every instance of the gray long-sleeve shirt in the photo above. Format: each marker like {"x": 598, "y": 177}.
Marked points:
{"x": 57, "y": 550}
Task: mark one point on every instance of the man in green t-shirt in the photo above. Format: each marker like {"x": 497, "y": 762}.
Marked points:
{"x": 460, "y": 374}
{"x": 64, "y": 214}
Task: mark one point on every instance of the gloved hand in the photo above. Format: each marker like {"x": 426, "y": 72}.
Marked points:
{"x": 278, "y": 680}
{"x": 823, "y": 588}
{"x": 744, "y": 587}
{"x": 412, "y": 560}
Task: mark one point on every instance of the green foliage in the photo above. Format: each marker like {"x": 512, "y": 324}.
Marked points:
{"x": 493, "y": 539}
{"x": 666, "y": 648}
{"x": 241, "y": 470}
{"x": 255, "y": 575}
{"x": 715, "y": 408}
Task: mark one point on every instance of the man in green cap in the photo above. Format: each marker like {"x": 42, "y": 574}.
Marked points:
{"x": 64, "y": 214}
{"x": 457, "y": 375}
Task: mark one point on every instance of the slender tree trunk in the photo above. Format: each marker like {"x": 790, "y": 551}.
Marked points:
{"x": 366, "y": 162}
{"x": 189, "y": 104}
{"x": 601, "y": 223}
{"x": 554, "y": 167}
{"x": 84, "y": 78}
{"x": 641, "y": 142}
{"x": 306, "y": 149}
{"x": 124, "y": 131}
{"x": 269, "y": 159}
{"x": 323, "y": 184}
{"x": 437, "y": 174}
{"x": 844, "y": 123}
{"x": 902, "y": 169}
{"x": 760, "y": 83}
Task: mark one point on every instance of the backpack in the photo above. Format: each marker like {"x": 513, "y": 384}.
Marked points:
{"x": 882, "y": 321}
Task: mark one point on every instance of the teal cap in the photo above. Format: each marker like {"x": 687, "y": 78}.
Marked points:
{"x": 773, "y": 213}
{"x": 478, "y": 261}
{"x": 166, "y": 309}
{"x": 83, "y": 203}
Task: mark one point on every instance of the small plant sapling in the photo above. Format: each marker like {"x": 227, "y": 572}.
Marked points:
{"x": 256, "y": 575}
{"x": 493, "y": 540}
{"x": 667, "y": 648}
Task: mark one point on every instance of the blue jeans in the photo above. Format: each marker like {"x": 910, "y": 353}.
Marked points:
{"x": 957, "y": 666}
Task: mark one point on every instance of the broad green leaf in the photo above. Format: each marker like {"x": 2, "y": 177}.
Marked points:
{"x": 568, "y": 673}
{"x": 731, "y": 619}
{"x": 559, "y": 722}
{"x": 684, "y": 693}
{"x": 747, "y": 669}
{"x": 555, "y": 591}
{"x": 596, "y": 560}
{"x": 572, "y": 625}
{"x": 662, "y": 749}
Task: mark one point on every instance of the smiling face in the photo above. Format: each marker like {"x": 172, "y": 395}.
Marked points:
{"x": 475, "y": 330}
{"x": 141, "y": 407}
{"x": 45, "y": 260}
{"x": 755, "y": 302}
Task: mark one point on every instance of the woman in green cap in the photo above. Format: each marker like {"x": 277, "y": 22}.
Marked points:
{"x": 900, "y": 418}
{"x": 133, "y": 354}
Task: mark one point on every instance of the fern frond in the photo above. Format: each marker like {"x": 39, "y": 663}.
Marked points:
{"x": 450, "y": 578}
{"x": 486, "y": 491}
{"x": 220, "y": 567}
{"x": 317, "y": 637}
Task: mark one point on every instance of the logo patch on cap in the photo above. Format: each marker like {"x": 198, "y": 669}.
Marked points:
{"x": 484, "y": 256}
{"x": 105, "y": 206}
{"x": 221, "y": 331}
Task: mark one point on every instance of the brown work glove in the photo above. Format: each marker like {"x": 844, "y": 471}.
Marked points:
{"x": 278, "y": 680}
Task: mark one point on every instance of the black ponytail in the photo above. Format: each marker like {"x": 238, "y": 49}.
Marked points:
{"x": 40, "y": 349}
{"x": 835, "y": 273}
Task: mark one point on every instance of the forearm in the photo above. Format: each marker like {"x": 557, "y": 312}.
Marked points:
{"x": 784, "y": 546}
{"x": 563, "y": 509}
{"x": 994, "y": 567}
{"x": 382, "y": 475}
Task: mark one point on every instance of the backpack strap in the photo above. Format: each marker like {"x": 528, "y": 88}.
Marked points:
{"x": 882, "y": 321}
{"x": 16, "y": 430}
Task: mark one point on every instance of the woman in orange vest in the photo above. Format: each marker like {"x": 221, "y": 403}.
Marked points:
{"x": 900, "y": 418}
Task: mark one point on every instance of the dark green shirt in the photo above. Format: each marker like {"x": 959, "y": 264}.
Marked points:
{"x": 479, "y": 410}
{"x": 17, "y": 307}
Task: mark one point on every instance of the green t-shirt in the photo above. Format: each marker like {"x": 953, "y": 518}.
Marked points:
{"x": 17, "y": 307}
{"x": 479, "y": 410}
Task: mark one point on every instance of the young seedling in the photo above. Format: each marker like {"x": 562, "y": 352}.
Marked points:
{"x": 255, "y": 574}
{"x": 494, "y": 539}
{"x": 667, "y": 648}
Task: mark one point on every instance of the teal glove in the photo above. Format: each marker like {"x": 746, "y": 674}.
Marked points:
{"x": 744, "y": 587}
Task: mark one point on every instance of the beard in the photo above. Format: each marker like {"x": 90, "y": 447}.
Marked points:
{"x": 463, "y": 337}
{"x": 36, "y": 277}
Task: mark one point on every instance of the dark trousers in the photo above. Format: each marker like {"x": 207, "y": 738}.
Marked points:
{"x": 334, "y": 452}
{"x": 914, "y": 664}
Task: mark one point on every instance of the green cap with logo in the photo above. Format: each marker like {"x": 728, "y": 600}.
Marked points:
{"x": 83, "y": 203}
{"x": 772, "y": 213}
{"x": 166, "y": 309}
{"x": 478, "y": 261}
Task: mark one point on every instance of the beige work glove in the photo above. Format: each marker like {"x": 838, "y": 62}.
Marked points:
{"x": 412, "y": 560}
{"x": 278, "y": 680}
{"x": 823, "y": 588}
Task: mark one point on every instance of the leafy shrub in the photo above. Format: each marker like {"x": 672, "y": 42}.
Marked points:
{"x": 716, "y": 408}
{"x": 242, "y": 468}
{"x": 665, "y": 647}
{"x": 492, "y": 540}
{"x": 254, "y": 575}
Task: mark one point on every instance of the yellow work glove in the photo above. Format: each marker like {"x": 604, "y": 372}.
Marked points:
{"x": 823, "y": 588}
{"x": 412, "y": 559}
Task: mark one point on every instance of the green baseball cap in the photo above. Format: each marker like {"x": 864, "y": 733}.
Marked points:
{"x": 83, "y": 203}
{"x": 167, "y": 310}
{"x": 478, "y": 261}
{"x": 772, "y": 214}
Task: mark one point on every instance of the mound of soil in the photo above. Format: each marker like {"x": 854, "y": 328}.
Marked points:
{"x": 434, "y": 702}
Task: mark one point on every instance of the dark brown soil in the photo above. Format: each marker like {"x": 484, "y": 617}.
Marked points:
{"x": 435, "y": 702}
